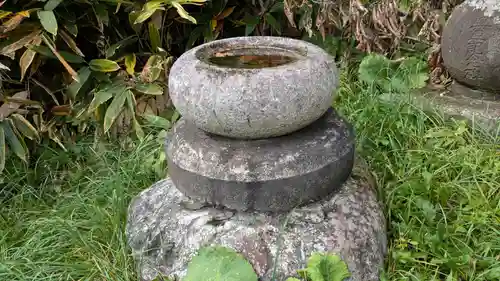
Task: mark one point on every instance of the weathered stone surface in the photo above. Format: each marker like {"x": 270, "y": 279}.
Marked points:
{"x": 275, "y": 174}
{"x": 164, "y": 234}
{"x": 258, "y": 102}
{"x": 481, "y": 109}
{"x": 470, "y": 44}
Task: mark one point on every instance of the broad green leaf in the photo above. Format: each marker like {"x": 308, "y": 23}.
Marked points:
{"x": 219, "y": 264}
{"x": 2, "y": 148}
{"x": 114, "y": 109}
{"x": 152, "y": 69}
{"x": 16, "y": 143}
{"x": 103, "y": 65}
{"x": 45, "y": 51}
{"x": 51, "y": 5}
{"x": 292, "y": 279}
{"x": 28, "y": 56}
{"x": 24, "y": 126}
{"x": 104, "y": 94}
{"x": 183, "y": 13}
{"x": 157, "y": 121}
{"x": 154, "y": 37}
{"x": 13, "y": 45}
{"x": 48, "y": 21}
{"x": 75, "y": 86}
{"x": 130, "y": 61}
{"x": 149, "y": 89}
{"x": 326, "y": 267}
{"x": 390, "y": 75}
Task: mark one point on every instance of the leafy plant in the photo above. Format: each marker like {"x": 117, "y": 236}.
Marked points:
{"x": 219, "y": 264}
{"x": 95, "y": 86}
{"x": 324, "y": 267}
{"x": 399, "y": 75}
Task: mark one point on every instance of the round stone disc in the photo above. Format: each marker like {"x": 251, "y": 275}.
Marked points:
{"x": 275, "y": 174}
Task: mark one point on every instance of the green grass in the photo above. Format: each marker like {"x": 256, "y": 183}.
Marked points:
{"x": 440, "y": 181}
{"x": 65, "y": 219}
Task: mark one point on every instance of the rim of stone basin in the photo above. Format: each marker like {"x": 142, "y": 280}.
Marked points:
{"x": 299, "y": 51}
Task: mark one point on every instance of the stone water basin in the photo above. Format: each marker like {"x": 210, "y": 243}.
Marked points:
{"x": 253, "y": 87}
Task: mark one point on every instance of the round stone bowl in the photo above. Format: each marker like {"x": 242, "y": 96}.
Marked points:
{"x": 253, "y": 87}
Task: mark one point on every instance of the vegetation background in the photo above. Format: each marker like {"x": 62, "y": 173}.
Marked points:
{"x": 79, "y": 75}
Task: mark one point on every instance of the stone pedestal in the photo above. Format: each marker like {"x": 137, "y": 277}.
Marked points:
{"x": 470, "y": 44}
{"x": 276, "y": 174}
{"x": 260, "y": 163}
{"x": 470, "y": 48}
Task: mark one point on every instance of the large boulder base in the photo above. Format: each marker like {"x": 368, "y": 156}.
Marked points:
{"x": 470, "y": 44}
{"x": 275, "y": 174}
{"x": 165, "y": 230}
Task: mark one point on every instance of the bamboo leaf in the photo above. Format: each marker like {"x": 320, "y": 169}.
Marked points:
{"x": 273, "y": 22}
{"x": 149, "y": 89}
{"x": 51, "y": 5}
{"x": 14, "y": 21}
{"x": 4, "y": 14}
{"x": 72, "y": 28}
{"x": 71, "y": 43}
{"x": 48, "y": 21}
{"x": 68, "y": 68}
{"x": 104, "y": 94}
{"x": 10, "y": 107}
{"x": 152, "y": 69}
{"x": 16, "y": 144}
{"x": 83, "y": 76}
{"x": 24, "y": 126}
{"x": 45, "y": 51}
{"x": 138, "y": 129}
{"x": 157, "y": 121}
{"x": 224, "y": 14}
{"x": 103, "y": 65}
{"x": 101, "y": 13}
{"x": 131, "y": 103}
{"x": 183, "y": 13}
{"x": 2, "y": 148}
{"x": 122, "y": 43}
{"x": 130, "y": 61}
{"x": 114, "y": 109}
{"x": 28, "y": 56}
{"x": 16, "y": 45}
{"x": 148, "y": 10}
{"x": 154, "y": 36}
{"x": 4, "y": 67}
